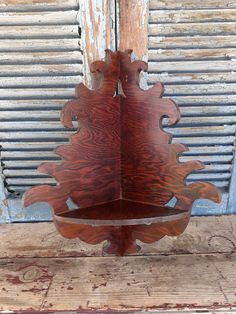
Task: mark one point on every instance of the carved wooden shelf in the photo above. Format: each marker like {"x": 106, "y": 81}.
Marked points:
{"x": 120, "y": 168}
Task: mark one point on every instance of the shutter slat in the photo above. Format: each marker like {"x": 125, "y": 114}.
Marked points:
{"x": 35, "y": 136}
{"x": 54, "y": 81}
{"x": 37, "y": 32}
{"x": 30, "y": 181}
{"x": 201, "y": 15}
{"x": 190, "y": 4}
{"x": 205, "y": 99}
{"x": 28, "y": 5}
{"x": 200, "y": 66}
{"x": 203, "y": 130}
{"x": 180, "y": 29}
{"x": 195, "y": 121}
{"x": 42, "y": 57}
{"x": 33, "y": 104}
{"x": 41, "y": 69}
{"x": 192, "y": 42}
{"x": 38, "y": 18}
{"x": 59, "y": 44}
{"x": 192, "y": 78}
{"x": 32, "y": 93}
{"x": 192, "y": 89}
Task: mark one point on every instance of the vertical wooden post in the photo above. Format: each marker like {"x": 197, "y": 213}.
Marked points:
{"x": 133, "y": 26}
{"x": 98, "y": 33}
{"x": 132, "y": 33}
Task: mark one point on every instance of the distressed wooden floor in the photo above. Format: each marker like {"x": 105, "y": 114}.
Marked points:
{"x": 41, "y": 271}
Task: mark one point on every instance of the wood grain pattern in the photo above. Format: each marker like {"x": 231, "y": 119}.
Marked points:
{"x": 120, "y": 152}
{"x": 185, "y": 283}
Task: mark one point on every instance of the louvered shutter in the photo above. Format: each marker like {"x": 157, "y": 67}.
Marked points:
{"x": 191, "y": 49}
{"x": 40, "y": 63}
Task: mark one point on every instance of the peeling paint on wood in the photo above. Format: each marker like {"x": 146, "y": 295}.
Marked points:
{"x": 180, "y": 29}
{"x": 191, "y": 4}
{"x": 35, "y": 270}
{"x": 133, "y": 23}
{"x": 27, "y": 5}
{"x": 222, "y": 53}
{"x": 132, "y": 33}
{"x": 124, "y": 284}
{"x": 204, "y": 235}
{"x": 199, "y": 15}
{"x": 97, "y": 19}
{"x": 38, "y": 18}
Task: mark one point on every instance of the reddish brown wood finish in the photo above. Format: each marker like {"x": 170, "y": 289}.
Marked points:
{"x": 120, "y": 166}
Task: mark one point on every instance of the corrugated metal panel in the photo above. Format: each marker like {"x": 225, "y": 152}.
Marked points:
{"x": 192, "y": 49}
{"x": 40, "y": 63}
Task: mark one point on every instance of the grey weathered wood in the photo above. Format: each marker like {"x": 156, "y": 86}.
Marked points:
{"x": 61, "y": 44}
{"x": 27, "y": 5}
{"x": 38, "y": 31}
{"x": 161, "y": 54}
{"x": 38, "y": 18}
{"x": 42, "y": 57}
{"x": 97, "y": 19}
{"x": 190, "y": 4}
{"x": 39, "y": 81}
{"x": 41, "y": 69}
{"x": 203, "y": 130}
{"x": 204, "y": 140}
{"x": 47, "y": 265}
{"x": 204, "y": 235}
{"x": 192, "y": 89}
{"x": 205, "y": 99}
{"x": 131, "y": 284}
{"x": 47, "y": 136}
{"x": 192, "y": 78}
{"x": 200, "y": 15}
{"x": 168, "y": 29}
{"x": 187, "y": 66}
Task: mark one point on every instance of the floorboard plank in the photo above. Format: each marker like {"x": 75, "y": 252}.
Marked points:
{"x": 203, "y": 235}
{"x": 133, "y": 283}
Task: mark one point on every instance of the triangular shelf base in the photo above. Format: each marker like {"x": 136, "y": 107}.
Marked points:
{"x": 122, "y": 213}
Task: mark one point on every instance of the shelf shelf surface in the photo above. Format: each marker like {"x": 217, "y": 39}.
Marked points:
{"x": 122, "y": 212}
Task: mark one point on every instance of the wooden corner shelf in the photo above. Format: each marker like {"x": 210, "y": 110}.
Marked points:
{"x": 120, "y": 167}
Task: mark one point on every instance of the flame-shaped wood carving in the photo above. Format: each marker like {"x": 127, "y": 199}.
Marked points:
{"x": 120, "y": 168}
